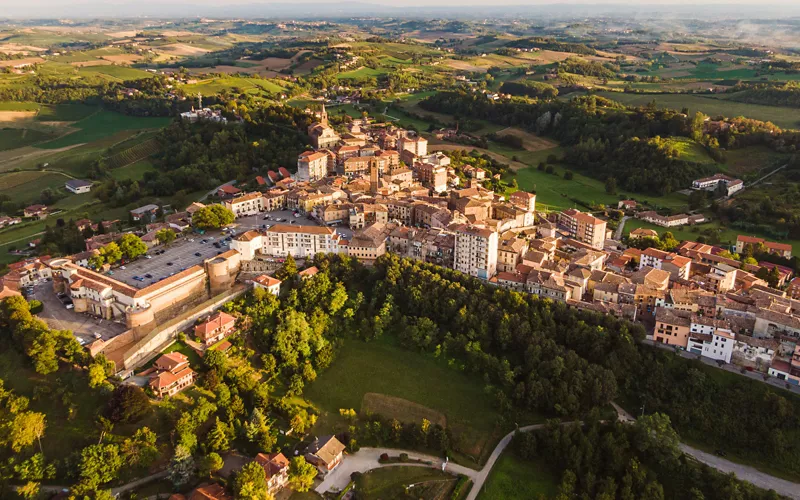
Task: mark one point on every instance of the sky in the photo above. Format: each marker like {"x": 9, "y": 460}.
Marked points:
{"x": 42, "y": 9}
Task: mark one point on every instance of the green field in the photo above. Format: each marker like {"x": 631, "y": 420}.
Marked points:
{"x": 104, "y": 124}
{"x": 783, "y": 117}
{"x": 134, "y": 171}
{"x": 690, "y": 150}
{"x": 115, "y": 73}
{"x": 233, "y": 84}
{"x": 363, "y": 72}
{"x": 515, "y": 478}
{"x": 65, "y": 112}
{"x": 558, "y": 193}
{"x": 384, "y": 368}
{"x": 26, "y": 186}
{"x": 19, "y": 106}
{"x": 12, "y": 138}
{"x": 389, "y": 483}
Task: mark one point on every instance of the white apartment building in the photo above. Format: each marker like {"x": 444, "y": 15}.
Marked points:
{"x": 475, "y": 251}
{"x": 312, "y": 166}
{"x": 299, "y": 241}
{"x": 717, "y": 346}
{"x": 246, "y": 204}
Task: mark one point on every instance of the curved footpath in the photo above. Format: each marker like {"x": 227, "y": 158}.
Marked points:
{"x": 366, "y": 459}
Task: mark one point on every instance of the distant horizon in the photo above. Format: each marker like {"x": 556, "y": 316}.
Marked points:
{"x": 450, "y": 9}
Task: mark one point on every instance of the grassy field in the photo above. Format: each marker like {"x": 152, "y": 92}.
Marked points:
{"x": 233, "y": 83}
{"x": 390, "y": 483}
{"x": 783, "y": 117}
{"x": 26, "y": 186}
{"x": 384, "y": 368}
{"x": 134, "y": 171}
{"x": 104, "y": 124}
{"x": 12, "y": 138}
{"x": 65, "y": 112}
{"x": 690, "y": 150}
{"x": 115, "y": 73}
{"x": 514, "y": 478}
{"x": 361, "y": 73}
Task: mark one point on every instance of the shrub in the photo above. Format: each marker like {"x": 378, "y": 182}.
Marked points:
{"x": 552, "y": 159}
{"x": 36, "y": 306}
{"x": 404, "y": 457}
{"x": 549, "y": 169}
{"x": 568, "y": 175}
{"x": 540, "y": 166}
{"x": 384, "y": 458}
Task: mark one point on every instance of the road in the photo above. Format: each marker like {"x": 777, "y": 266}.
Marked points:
{"x": 754, "y": 375}
{"x": 767, "y": 175}
{"x": 758, "y": 478}
{"x": 620, "y": 228}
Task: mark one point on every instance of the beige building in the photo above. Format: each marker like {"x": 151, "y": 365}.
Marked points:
{"x": 246, "y": 204}
{"x": 298, "y": 241}
{"x": 369, "y": 243}
{"x": 509, "y": 254}
{"x": 475, "y": 251}
{"x": 312, "y": 166}
{"x": 583, "y": 227}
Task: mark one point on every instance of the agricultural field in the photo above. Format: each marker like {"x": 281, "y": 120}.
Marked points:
{"x": 712, "y": 106}
{"x": 104, "y": 124}
{"x": 134, "y": 171}
{"x": 253, "y": 85}
{"x": 514, "y": 478}
{"x": 115, "y": 73}
{"x": 27, "y": 185}
{"x": 12, "y": 138}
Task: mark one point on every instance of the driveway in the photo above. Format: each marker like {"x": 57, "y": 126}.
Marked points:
{"x": 366, "y": 459}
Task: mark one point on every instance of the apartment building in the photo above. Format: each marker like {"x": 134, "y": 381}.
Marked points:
{"x": 298, "y": 241}
{"x": 432, "y": 176}
{"x": 583, "y": 227}
{"x": 672, "y": 327}
{"x": 312, "y": 166}
{"x": 476, "y": 251}
{"x": 246, "y": 204}
{"x": 781, "y": 249}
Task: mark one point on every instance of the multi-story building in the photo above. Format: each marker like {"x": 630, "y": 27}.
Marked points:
{"x": 218, "y": 326}
{"x": 476, "y": 251}
{"x": 583, "y": 227}
{"x": 363, "y": 214}
{"x": 432, "y": 176}
{"x": 672, "y": 327}
{"x": 246, "y": 204}
{"x": 298, "y": 241}
{"x": 173, "y": 375}
{"x": 312, "y": 166}
{"x": 268, "y": 283}
{"x": 276, "y": 469}
{"x": 509, "y": 253}
{"x": 369, "y": 243}
{"x": 781, "y": 249}
{"x": 717, "y": 345}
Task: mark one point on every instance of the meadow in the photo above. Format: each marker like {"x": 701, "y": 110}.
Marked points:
{"x": 104, "y": 124}
{"x": 233, "y": 83}
{"x": 514, "y": 478}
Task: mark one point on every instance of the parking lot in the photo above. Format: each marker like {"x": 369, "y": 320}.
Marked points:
{"x": 85, "y": 326}
{"x": 193, "y": 250}
{"x": 269, "y": 218}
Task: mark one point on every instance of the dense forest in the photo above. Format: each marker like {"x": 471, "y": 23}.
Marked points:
{"x": 529, "y": 88}
{"x": 625, "y": 462}
{"x": 786, "y": 95}
{"x": 541, "y": 355}
{"x": 554, "y": 45}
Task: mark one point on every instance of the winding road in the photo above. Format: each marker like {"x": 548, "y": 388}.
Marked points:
{"x": 366, "y": 459}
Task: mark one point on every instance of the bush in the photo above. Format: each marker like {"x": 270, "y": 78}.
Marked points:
{"x": 568, "y": 175}
{"x": 404, "y": 457}
{"x": 384, "y": 458}
{"x": 552, "y": 159}
{"x": 540, "y": 166}
{"x": 355, "y": 475}
{"x": 36, "y": 306}
{"x": 549, "y": 169}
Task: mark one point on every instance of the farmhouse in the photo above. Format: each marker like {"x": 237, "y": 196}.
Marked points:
{"x": 39, "y": 211}
{"x": 78, "y": 186}
{"x": 145, "y": 212}
{"x": 173, "y": 375}
{"x": 325, "y": 452}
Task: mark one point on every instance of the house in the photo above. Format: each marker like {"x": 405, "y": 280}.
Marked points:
{"x": 717, "y": 345}
{"x": 663, "y": 220}
{"x": 325, "y": 453}
{"x": 308, "y": 273}
{"x": 215, "y": 328}
{"x": 147, "y": 212}
{"x": 173, "y": 375}
{"x": 642, "y": 232}
{"x": 228, "y": 191}
{"x": 38, "y": 211}
{"x": 276, "y": 468}
{"x": 268, "y": 283}
{"x": 781, "y": 249}
{"x": 78, "y": 186}
{"x": 206, "y": 492}
{"x": 626, "y": 205}
{"x": 672, "y": 327}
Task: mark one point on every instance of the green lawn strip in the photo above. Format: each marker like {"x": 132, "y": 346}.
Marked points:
{"x": 104, "y": 124}
{"x": 727, "y": 235}
{"x": 391, "y": 482}
{"x": 515, "y": 478}
{"x": 783, "y": 117}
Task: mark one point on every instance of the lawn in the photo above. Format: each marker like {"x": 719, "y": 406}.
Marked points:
{"x": 385, "y": 368}
{"x": 104, "y": 124}
{"x": 783, "y": 117}
{"x": 689, "y": 150}
{"x": 512, "y": 477}
{"x": 230, "y": 83}
{"x": 363, "y": 72}
{"x": 134, "y": 171}
{"x": 115, "y": 73}
{"x": 391, "y": 483}
{"x": 65, "y": 112}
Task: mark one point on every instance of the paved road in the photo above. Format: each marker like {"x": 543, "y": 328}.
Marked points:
{"x": 620, "y": 228}
{"x": 758, "y": 478}
{"x": 757, "y": 376}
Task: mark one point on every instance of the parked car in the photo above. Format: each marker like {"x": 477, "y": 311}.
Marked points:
{"x": 122, "y": 268}
{"x": 197, "y": 254}
{"x": 148, "y": 256}
{"x": 148, "y": 276}
{"x": 169, "y": 263}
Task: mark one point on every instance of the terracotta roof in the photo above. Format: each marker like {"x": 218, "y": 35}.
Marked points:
{"x": 285, "y": 228}
{"x": 248, "y": 236}
{"x": 219, "y": 319}
{"x": 273, "y": 463}
{"x": 167, "y": 378}
{"x": 229, "y": 189}
{"x": 311, "y": 271}
{"x": 210, "y": 492}
{"x": 267, "y": 280}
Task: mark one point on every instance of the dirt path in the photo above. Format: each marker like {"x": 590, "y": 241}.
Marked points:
{"x": 515, "y": 165}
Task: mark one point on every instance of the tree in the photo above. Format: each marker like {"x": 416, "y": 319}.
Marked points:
{"x": 611, "y": 185}
{"x": 105, "y": 426}
{"x": 99, "y": 464}
{"x": 132, "y": 246}
{"x": 288, "y": 270}
{"x": 99, "y": 370}
{"x": 141, "y": 450}
{"x": 128, "y": 403}
{"x": 301, "y": 474}
{"x": 251, "y": 483}
{"x": 218, "y": 436}
{"x": 212, "y": 217}
{"x": 210, "y": 464}
{"x": 111, "y": 253}
{"x": 26, "y": 428}
{"x": 166, "y": 236}
{"x": 181, "y": 468}
{"x": 29, "y": 491}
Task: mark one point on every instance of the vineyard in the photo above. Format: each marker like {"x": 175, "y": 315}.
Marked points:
{"x": 133, "y": 154}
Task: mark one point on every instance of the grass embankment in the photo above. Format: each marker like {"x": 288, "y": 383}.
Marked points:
{"x": 393, "y": 483}
{"x": 515, "y": 478}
